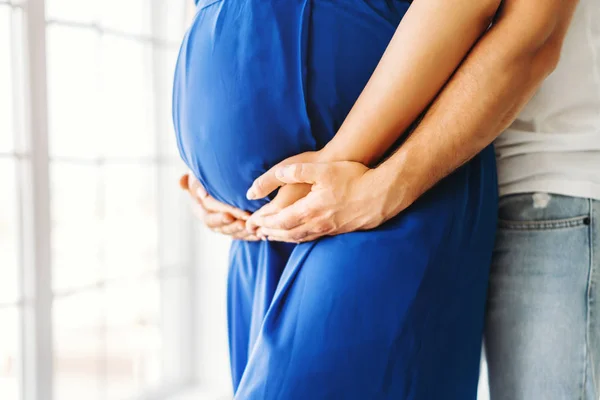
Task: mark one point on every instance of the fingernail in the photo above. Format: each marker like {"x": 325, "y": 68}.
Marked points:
{"x": 250, "y": 194}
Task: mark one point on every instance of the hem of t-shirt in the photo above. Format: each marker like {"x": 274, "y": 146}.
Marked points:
{"x": 586, "y": 190}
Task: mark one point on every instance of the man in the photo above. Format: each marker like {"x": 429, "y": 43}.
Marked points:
{"x": 543, "y": 321}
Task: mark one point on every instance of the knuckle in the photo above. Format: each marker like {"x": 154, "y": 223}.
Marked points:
{"x": 328, "y": 215}
{"x": 334, "y": 225}
{"x": 323, "y": 227}
{"x": 286, "y": 224}
{"x": 239, "y": 226}
{"x": 276, "y": 208}
{"x": 308, "y": 238}
{"x": 296, "y": 170}
{"x": 309, "y": 213}
{"x": 235, "y": 227}
{"x": 298, "y": 236}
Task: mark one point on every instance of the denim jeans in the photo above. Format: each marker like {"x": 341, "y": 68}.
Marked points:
{"x": 542, "y": 334}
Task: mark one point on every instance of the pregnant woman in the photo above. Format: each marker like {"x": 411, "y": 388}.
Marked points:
{"x": 391, "y": 313}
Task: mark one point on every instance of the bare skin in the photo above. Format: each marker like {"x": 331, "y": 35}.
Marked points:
{"x": 407, "y": 78}
{"x": 481, "y": 99}
{"x": 217, "y": 216}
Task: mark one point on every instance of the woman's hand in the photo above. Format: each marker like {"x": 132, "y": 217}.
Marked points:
{"x": 267, "y": 182}
{"x": 323, "y": 199}
{"x": 286, "y": 196}
{"x": 217, "y": 216}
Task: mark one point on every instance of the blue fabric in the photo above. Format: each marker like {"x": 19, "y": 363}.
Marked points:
{"x": 393, "y": 313}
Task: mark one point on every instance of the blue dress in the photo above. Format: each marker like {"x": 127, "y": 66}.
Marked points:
{"x": 391, "y": 313}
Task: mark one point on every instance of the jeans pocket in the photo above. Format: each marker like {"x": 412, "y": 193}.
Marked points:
{"x": 544, "y": 224}
{"x": 542, "y": 211}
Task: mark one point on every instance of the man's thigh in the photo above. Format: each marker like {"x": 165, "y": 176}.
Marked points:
{"x": 539, "y": 341}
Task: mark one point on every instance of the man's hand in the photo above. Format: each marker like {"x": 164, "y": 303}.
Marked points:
{"x": 345, "y": 197}
{"x": 500, "y": 74}
{"x": 219, "y": 217}
{"x": 286, "y": 196}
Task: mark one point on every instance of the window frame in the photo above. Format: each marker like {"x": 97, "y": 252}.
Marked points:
{"x": 31, "y": 154}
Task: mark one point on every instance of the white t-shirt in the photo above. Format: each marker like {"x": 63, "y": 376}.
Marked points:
{"x": 554, "y": 145}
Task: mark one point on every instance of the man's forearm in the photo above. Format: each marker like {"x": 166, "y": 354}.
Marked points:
{"x": 485, "y": 95}
{"x": 417, "y": 63}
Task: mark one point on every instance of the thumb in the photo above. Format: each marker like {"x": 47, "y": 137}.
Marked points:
{"x": 310, "y": 173}
{"x": 263, "y": 185}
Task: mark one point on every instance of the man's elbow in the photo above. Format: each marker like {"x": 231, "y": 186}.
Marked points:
{"x": 548, "y": 56}
{"x": 538, "y": 41}
{"x": 548, "y": 53}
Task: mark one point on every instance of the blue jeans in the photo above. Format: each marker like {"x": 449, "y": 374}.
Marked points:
{"x": 542, "y": 333}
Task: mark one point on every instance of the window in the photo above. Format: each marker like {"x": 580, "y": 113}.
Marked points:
{"x": 11, "y": 158}
{"x": 96, "y": 296}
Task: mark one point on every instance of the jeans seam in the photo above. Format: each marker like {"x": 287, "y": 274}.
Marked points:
{"x": 543, "y": 225}
{"x": 588, "y": 300}
{"x": 590, "y": 294}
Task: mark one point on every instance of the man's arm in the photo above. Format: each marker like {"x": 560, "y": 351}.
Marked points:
{"x": 428, "y": 46}
{"x": 483, "y": 98}
{"x": 493, "y": 84}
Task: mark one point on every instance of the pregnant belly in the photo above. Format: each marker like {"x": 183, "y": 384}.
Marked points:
{"x": 258, "y": 81}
